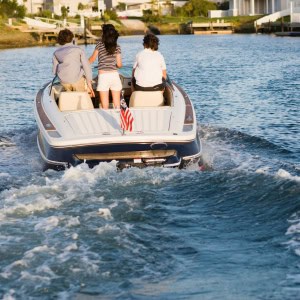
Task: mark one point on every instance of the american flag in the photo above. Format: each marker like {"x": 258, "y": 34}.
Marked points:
{"x": 125, "y": 116}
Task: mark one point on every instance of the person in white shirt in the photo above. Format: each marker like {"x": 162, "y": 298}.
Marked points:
{"x": 149, "y": 69}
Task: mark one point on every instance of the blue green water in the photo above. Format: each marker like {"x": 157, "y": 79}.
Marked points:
{"x": 227, "y": 233}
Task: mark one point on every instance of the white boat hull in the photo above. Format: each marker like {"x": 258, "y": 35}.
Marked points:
{"x": 164, "y": 135}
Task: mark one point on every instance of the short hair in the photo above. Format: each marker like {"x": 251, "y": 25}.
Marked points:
{"x": 65, "y": 36}
{"x": 151, "y": 41}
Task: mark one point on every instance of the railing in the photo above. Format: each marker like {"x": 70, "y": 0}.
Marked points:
{"x": 275, "y": 16}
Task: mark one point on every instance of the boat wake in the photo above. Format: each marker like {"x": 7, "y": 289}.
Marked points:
{"x": 226, "y": 150}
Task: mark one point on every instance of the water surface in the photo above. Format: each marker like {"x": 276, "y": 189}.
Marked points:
{"x": 228, "y": 233}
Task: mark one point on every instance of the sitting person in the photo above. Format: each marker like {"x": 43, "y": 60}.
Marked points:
{"x": 71, "y": 65}
{"x": 109, "y": 57}
{"x": 149, "y": 69}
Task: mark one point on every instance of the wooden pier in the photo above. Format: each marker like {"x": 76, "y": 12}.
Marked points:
{"x": 212, "y": 28}
{"x": 49, "y": 35}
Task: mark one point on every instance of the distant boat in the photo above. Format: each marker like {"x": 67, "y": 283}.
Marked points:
{"x": 72, "y": 129}
{"x": 288, "y": 33}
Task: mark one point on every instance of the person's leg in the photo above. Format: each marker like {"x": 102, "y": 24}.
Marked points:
{"x": 103, "y": 89}
{"x": 116, "y": 87}
{"x": 104, "y": 99}
{"x": 116, "y": 98}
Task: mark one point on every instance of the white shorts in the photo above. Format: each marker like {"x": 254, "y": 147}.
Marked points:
{"x": 109, "y": 81}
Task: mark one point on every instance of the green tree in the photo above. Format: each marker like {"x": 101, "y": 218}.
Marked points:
{"x": 11, "y": 9}
{"x": 121, "y": 6}
{"x": 64, "y": 11}
{"x": 195, "y": 8}
{"x": 80, "y": 6}
{"x": 110, "y": 15}
{"x": 223, "y": 5}
{"x": 149, "y": 17}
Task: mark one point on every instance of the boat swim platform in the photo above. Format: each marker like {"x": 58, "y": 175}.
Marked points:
{"x": 212, "y": 28}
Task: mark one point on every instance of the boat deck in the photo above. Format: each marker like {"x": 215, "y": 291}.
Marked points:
{"x": 107, "y": 122}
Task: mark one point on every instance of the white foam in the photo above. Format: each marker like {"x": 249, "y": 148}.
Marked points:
{"x": 26, "y": 276}
{"x": 286, "y": 175}
{"x": 25, "y": 201}
{"x": 73, "y": 221}
{"x": 9, "y": 295}
{"x": 74, "y": 236}
{"x": 5, "y": 175}
{"x": 46, "y": 270}
{"x": 105, "y": 213}
{"x": 7, "y": 271}
{"x": 295, "y": 228}
{"x": 47, "y": 224}
{"x": 106, "y": 228}
{"x": 263, "y": 170}
{"x": 39, "y": 249}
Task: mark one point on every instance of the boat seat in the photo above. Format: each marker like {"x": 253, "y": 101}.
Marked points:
{"x": 74, "y": 101}
{"x": 146, "y": 99}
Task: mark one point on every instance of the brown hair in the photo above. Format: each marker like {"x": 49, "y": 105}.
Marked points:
{"x": 109, "y": 38}
{"x": 65, "y": 36}
{"x": 151, "y": 41}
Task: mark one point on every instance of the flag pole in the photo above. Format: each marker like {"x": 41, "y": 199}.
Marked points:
{"x": 122, "y": 98}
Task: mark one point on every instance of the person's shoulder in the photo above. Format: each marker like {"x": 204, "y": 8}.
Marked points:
{"x": 159, "y": 54}
{"x": 142, "y": 52}
{"x": 77, "y": 48}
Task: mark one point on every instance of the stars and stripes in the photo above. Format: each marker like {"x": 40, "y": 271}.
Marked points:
{"x": 125, "y": 116}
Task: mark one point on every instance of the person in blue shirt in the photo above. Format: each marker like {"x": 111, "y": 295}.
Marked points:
{"x": 71, "y": 65}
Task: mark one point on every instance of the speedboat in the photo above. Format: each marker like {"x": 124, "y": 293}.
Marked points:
{"x": 73, "y": 129}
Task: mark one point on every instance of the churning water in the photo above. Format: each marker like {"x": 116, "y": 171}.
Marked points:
{"x": 232, "y": 232}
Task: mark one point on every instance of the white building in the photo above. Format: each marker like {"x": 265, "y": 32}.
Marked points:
{"x": 136, "y": 7}
{"x": 257, "y": 7}
{"x": 55, "y": 6}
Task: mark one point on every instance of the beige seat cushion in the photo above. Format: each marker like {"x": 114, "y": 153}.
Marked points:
{"x": 146, "y": 99}
{"x": 74, "y": 101}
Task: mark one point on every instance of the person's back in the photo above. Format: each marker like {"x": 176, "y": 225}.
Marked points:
{"x": 71, "y": 65}
{"x": 109, "y": 57}
{"x": 68, "y": 68}
{"x": 149, "y": 68}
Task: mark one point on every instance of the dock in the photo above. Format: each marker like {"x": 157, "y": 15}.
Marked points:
{"x": 48, "y": 29}
{"x": 212, "y": 28}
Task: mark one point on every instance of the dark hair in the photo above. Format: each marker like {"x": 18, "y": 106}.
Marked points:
{"x": 65, "y": 36}
{"x": 109, "y": 38}
{"x": 151, "y": 41}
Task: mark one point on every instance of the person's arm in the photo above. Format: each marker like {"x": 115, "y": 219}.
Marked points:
{"x": 119, "y": 60}
{"x": 93, "y": 56}
{"x": 88, "y": 73}
{"x": 54, "y": 65}
{"x": 164, "y": 74}
{"x": 163, "y": 67}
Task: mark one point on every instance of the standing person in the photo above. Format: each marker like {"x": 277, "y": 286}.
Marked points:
{"x": 109, "y": 60}
{"x": 149, "y": 69}
{"x": 71, "y": 65}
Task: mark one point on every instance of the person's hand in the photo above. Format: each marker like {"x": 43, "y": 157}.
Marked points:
{"x": 90, "y": 90}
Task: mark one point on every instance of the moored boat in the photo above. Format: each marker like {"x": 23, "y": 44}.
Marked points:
{"x": 73, "y": 129}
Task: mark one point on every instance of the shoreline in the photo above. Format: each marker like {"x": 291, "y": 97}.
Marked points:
{"x": 11, "y": 38}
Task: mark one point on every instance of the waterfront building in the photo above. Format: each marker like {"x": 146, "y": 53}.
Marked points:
{"x": 74, "y": 7}
{"x": 258, "y": 7}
